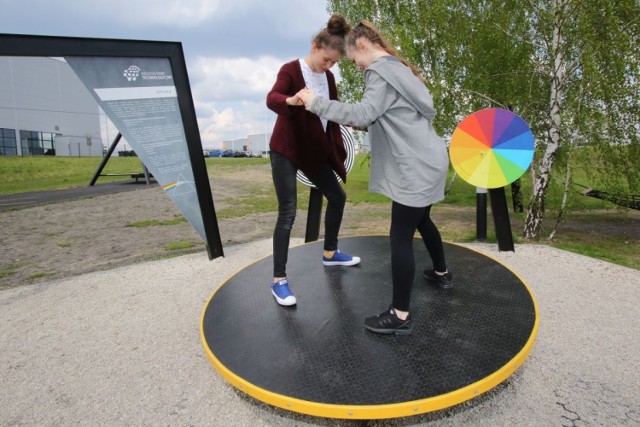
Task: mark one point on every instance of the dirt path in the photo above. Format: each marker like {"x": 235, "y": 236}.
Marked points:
{"x": 48, "y": 242}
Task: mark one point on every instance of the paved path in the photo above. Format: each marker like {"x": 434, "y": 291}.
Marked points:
{"x": 122, "y": 347}
{"x": 21, "y": 200}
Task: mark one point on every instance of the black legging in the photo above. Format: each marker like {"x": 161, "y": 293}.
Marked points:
{"x": 284, "y": 179}
{"x": 404, "y": 222}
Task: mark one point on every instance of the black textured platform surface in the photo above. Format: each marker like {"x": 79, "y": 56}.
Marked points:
{"x": 319, "y": 351}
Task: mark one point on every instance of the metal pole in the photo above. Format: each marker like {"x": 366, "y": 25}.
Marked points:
{"x": 314, "y": 215}
{"x": 146, "y": 173}
{"x": 501, "y": 220}
{"x": 481, "y": 214}
{"x": 105, "y": 159}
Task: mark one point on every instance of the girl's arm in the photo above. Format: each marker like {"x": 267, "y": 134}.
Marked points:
{"x": 278, "y": 99}
{"x": 375, "y": 102}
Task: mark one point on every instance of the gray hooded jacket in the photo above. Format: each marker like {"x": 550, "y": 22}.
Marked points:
{"x": 409, "y": 161}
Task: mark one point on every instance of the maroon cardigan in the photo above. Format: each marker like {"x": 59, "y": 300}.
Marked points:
{"x": 298, "y": 134}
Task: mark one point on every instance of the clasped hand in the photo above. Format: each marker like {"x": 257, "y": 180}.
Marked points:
{"x": 303, "y": 97}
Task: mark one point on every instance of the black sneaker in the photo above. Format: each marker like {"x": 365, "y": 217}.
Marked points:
{"x": 388, "y": 323}
{"x": 444, "y": 282}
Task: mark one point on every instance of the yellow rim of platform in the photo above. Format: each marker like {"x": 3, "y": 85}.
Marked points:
{"x": 364, "y": 412}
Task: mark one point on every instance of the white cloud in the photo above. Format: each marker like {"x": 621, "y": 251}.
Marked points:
{"x": 219, "y": 126}
{"x": 174, "y": 13}
{"x": 291, "y": 18}
{"x": 234, "y": 49}
{"x": 144, "y": 13}
{"x": 216, "y": 79}
{"x": 296, "y": 19}
{"x": 222, "y": 122}
{"x": 230, "y": 96}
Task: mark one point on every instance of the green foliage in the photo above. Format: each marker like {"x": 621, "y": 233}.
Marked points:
{"x": 499, "y": 53}
{"x": 450, "y": 43}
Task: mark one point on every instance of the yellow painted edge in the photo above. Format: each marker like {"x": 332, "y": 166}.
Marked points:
{"x": 394, "y": 410}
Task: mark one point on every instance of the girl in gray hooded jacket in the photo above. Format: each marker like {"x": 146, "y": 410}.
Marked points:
{"x": 409, "y": 161}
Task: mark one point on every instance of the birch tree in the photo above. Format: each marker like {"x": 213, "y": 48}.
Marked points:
{"x": 541, "y": 171}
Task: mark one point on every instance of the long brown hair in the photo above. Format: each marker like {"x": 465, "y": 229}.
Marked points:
{"x": 369, "y": 31}
{"x": 332, "y": 36}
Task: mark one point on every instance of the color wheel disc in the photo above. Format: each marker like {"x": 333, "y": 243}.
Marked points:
{"x": 491, "y": 148}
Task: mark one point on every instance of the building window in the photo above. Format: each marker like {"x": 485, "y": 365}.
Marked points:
{"x": 8, "y": 146}
{"x": 37, "y": 143}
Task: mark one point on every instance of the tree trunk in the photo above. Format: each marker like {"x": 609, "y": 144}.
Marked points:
{"x": 535, "y": 213}
{"x": 563, "y": 205}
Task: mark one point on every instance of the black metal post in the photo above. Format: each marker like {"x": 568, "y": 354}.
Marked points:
{"x": 146, "y": 173}
{"x": 501, "y": 220}
{"x": 314, "y": 215}
{"x": 481, "y": 214}
{"x": 105, "y": 159}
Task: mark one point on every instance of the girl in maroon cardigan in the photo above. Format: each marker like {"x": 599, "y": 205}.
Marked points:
{"x": 301, "y": 140}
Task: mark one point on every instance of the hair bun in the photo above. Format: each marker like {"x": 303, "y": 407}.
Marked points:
{"x": 338, "y": 26}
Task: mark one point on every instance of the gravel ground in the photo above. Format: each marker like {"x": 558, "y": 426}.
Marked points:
{"x": 122, "y": 347}
{"x": 99, "y": 323}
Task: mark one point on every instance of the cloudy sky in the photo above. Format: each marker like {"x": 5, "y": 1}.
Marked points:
{"x": 233, "y": 48}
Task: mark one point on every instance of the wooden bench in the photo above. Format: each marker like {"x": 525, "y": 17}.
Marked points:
{"x": 133, "y": 175}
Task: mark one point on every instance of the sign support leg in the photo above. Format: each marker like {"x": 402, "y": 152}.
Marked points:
{"x": 501, "y": 219}
{"x": 314, "y": 215}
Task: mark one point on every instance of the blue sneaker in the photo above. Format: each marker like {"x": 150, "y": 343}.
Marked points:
{"x": 340, "y": 258}
{"x": 282, "y": 293}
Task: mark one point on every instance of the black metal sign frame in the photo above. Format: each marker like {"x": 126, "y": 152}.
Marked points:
{"x": 53, "y": 46}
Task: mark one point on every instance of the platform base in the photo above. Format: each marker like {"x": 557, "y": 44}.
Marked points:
{"x": 316, "y": 357}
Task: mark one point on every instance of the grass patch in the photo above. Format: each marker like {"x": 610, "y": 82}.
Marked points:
{"x": 39, "y": 275}
{"x": 38, "y": 173}
{"x": 259, "y": 200}
{"x": 174, "y": 246}
{"x": 470, "y": 236}
{"x": 9, "y": 270}
{"x": 152, "y": 222}
{"x": 234, "y": 163}
{"x": 357, "y": 185}
{"x": 612, "y": 249}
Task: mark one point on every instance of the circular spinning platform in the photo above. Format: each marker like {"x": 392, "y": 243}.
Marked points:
{"x": 316, "y": 358}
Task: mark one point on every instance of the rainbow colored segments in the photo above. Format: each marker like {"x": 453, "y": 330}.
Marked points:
{"x": 491, "y": 148}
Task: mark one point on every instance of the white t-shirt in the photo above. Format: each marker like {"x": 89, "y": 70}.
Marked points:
{"x": 317, "y": 82}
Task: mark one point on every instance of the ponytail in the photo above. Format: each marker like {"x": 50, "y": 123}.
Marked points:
{"x": 369, "y": 31}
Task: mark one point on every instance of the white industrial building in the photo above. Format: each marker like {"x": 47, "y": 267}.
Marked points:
{"x": 259, "y": 143}
{"x": 45, "y": 109}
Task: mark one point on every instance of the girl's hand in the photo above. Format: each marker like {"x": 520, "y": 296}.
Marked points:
{"x": 307, "y": 96}
{"x": 294, "y": 100}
